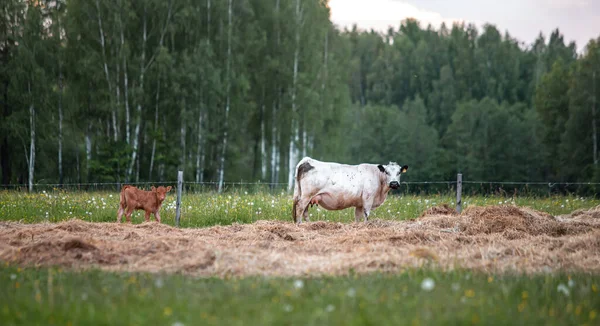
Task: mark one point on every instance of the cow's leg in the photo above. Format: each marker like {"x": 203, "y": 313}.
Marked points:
{"x": 128, "y": 213}
{"x": 157, "y": 216}
{"x": 301, "y": 209}
{"x": 367, "y": 213}
{"x": 147, "y": 216}
{"x": 359, "y": 212}
{"x": 367, "y": 205}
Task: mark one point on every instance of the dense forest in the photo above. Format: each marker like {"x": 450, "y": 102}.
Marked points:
{"x": 230, "y": 90}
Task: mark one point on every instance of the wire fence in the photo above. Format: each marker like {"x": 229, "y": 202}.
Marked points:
{"x": 469, "y": 187}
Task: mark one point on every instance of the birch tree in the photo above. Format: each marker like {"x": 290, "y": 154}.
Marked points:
{"x": 295, "y": 129}
{"x": 228, "y": 97}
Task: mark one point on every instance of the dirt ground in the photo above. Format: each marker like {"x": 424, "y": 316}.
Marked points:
{"x": 491, "y": 239}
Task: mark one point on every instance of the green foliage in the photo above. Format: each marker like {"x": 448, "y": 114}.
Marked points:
{"x": 442, "y": 100}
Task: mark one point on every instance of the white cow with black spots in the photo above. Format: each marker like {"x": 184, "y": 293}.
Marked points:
{"x": 335, "y": 186}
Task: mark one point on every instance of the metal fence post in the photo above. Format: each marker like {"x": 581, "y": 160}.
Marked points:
{"x": 458, "y": 192}
{"x": 178, "y": 204}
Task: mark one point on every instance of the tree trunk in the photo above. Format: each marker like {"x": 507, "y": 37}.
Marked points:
{"x": 274, "y": 144}
{"x": 294, "y": 136}
{"x": 140, "y": 98}
{"x": 594, "y": 135}
{"x": 275, "y": 154}
{"x": 228, "y": 78}
{"x": 126, "y": 91}
{"x": 199, "y": 147}
{"x": 4, "y": 149}
{"x": 263, "y": 143}
{"x": 155, "y": 130}
{"x": 117, "y": 106}
{"x": 208, "y": 21}
{"x": 105, "y": 62}
{"x": 88, "y": 149}
{"x": 182, "y": 135}
{"x": 161, "y": 165}
{"x": 32, "y": 139}
{"x": 60, "y": 125}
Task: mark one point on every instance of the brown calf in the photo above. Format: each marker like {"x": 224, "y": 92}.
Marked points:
{"x": 134, "y": 198}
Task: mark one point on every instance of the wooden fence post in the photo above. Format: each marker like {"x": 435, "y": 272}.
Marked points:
{"x": 458, "y": 192}
{"x": 178, "y": 204}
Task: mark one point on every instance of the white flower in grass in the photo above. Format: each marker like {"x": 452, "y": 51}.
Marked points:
{"x": 571, "y": 283}
{"x": 351, "y": 292}
{"x": 84, "y": 296}
{"x": 428, "y": 284}
{"x": 455, "y": 287}
{"x": 287, "y": 308}
{"x": 298, "y": 284}
{"x": 330, "y": 308}
{"x": 13, "y": 276}
{"x": 563, "y": 289}
{"x": 159, "y": 283}
{"x": 110, "y": 195}
{"x": 189, "y": 207}
{"x": 177, "y": 323}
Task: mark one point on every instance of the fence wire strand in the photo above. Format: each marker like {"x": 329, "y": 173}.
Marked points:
{"x": 242, "y": 183}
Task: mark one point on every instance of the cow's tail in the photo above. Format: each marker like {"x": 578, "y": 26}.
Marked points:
{"x": 301, "y": 169}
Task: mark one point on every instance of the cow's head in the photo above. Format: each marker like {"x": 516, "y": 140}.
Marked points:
{"x": 161, "y": 192}
{"x": 392, "y": 172}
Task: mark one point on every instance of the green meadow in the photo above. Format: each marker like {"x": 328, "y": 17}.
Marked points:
{"x": 53, "y": 296}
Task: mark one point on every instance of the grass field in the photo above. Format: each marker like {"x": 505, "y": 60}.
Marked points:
{"x": 414, "y": 297}
{"x": 426, "y": 296}
{"x": 207, "y": 209}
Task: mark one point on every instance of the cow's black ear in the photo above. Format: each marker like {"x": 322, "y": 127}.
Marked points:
{"x": 404, "y": 169}
{"x": 381, "y": 168}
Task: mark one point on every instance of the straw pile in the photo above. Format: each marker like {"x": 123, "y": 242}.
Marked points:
{"x": 490, "y": 239}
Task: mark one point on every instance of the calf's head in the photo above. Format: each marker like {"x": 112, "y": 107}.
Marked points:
{"x": 161, "y": 192}
{"x": 392, "y": 173}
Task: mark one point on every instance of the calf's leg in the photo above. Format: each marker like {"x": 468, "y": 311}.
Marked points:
{"x": 120, "y": 213}
{"x": 147, "y": 216}
{"x": 157, "y": 216}
{"x": 128, "y": 213}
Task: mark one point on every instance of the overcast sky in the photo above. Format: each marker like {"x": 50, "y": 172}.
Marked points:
{"x": 578, "y": 20}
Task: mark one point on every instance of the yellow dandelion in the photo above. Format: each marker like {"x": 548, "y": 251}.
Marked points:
{"x": 593, "y": 314}
{"x": 521, "y": 306}
{"x": 168, "y": 311}
{"x": 594, "y": 288}
{"x": 469, "y": 293}
{"x": 525, "y": 295}
{"x": 490, "y": 279}
{"x": 578, "y": 310}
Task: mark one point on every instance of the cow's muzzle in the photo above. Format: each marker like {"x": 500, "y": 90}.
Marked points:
{"x": 394, "y": 185}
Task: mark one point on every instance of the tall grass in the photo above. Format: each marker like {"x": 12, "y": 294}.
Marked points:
{"x": 413, "y": 297}
{"x": 209, "y": 208}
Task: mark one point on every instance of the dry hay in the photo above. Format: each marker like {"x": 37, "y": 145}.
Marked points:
{"x": 494, "y": 238}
